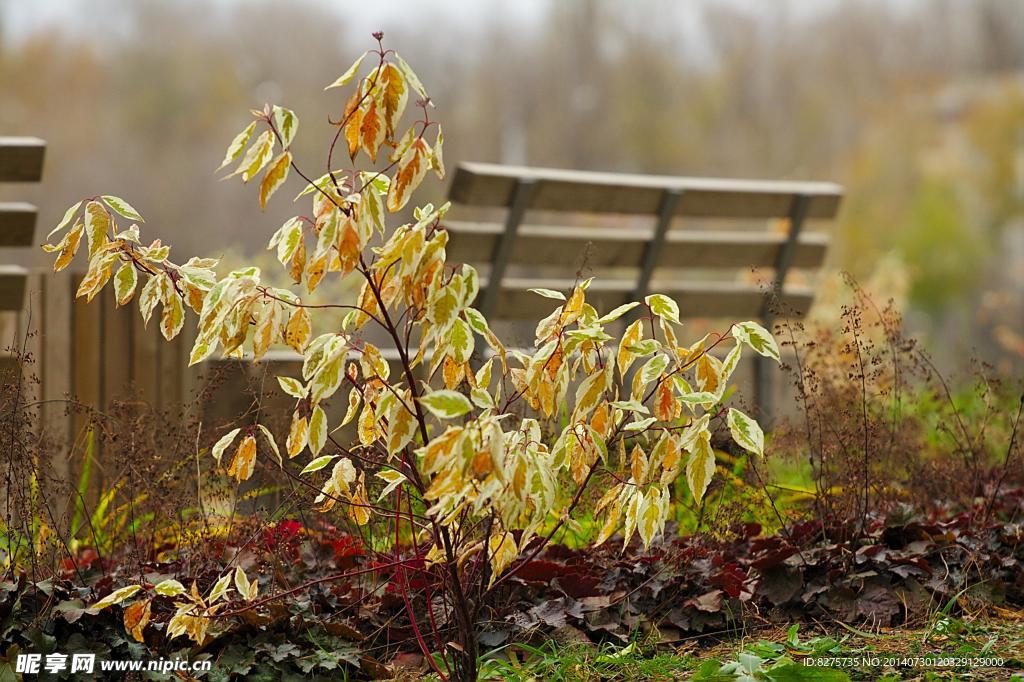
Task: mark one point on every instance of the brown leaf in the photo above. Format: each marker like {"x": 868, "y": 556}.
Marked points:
{"x": 136, "y": 618}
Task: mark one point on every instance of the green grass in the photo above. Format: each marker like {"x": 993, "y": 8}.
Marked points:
{"x": 779, "y": 656}
{"x": 577, "y": 663}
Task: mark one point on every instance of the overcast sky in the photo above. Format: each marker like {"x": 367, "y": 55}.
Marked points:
{"x": 26, "y": 16}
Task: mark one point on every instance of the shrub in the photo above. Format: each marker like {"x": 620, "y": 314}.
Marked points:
{"x": 881, "y": 427}
{"x": 473, "y": 465}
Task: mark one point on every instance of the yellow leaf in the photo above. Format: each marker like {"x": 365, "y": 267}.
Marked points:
{"x": 367, "y": 425}
{"x": 173, "y": 318}
{"x": 274, "y": 177}
{"x": 701, "y": 466}
{"x": 298, "y": 262}
{"x": 411, "y": 169}
{"x": 298, "y": 330}
{"x": 97, "y": 225}
{"x": 68, "y": 247}
{"x": 297, "y": 435}
{"x": 359, "y": 509}
{"x": 244, "y": 461}
{"x": 394, "y": 99}
{"x": 352, "y": 128}
{"x": 266, "y": 329}
{"x": 503, "y": 551}
{"x": 632, "y": 335}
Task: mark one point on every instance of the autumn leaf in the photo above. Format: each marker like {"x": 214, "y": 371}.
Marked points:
{"x": 298, "y": 435}
{"x": 411, "y": 168}
{"x": 275, "y": 176}
{"x": 395, "y": 96}
{"x": 136, "y": 618}
{"x": 371, "y": 130}
{"x": 244, "y": 461}
{"x": 298, "y": 330}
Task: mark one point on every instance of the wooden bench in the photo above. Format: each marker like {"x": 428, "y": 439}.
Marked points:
{"x": 653, "y": 255}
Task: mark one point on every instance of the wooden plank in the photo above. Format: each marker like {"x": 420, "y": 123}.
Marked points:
{"x": 21, "y": 159}
{"x": 86, "y": 364}
{"x": 478, "y": 184}
{"x": 703, "y": 299}
{"x": 145, "y": 357}
{"x": 13, "y": 279}
{"x": 616, "y": 247}
{"x": 28, "y": 336}
{"x": 17, "y": 223}
{"x": 171, "y": 369}
{"x": 116, "y": 342}
{"x": 56, "y": 357}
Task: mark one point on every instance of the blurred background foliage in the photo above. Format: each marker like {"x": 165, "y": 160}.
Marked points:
{"x": 916, "y": 106}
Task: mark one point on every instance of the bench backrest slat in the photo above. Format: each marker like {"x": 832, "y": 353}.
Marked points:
{"x": 21, "y": 160}
{"x": 489, "y": 185}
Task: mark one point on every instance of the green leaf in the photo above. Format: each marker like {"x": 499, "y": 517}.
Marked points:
{"x": 317, "y": 430}
{"x": 549, "y": 293}
{"x": 241, "y": 582}
{"x": 664, "y": 307}
{"x": 410, "y": 77}
{"x": 292, "y": 387}
{"x": 630, "y": 406}
{"x": 482, "y": 399}
{"x": 447, "y": 404}
{"x": 169, "y": 588}
{"x": 287, "y": 123}
{"x": 758, "y": 338}
{"x": 460, "y": 341}
{"x": 115, "y": 597}
{"x": 124, "y": 283}
{"x": 640, "y": 425}
{"x": 653, "y": 368}
{"x": 617, "y": 313}
{"x": 317, "y": 464}
{"x": 65, "y": 221}
{"x": 237, "y": 145}
{"x": 122, "y": 208}
{"x": 393, "y": 479}
{"x": 746, "y": 432}
{"x": 346, "y": 77}
{"x": 220, "y": 588}
{"x": 257, "y": 157}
